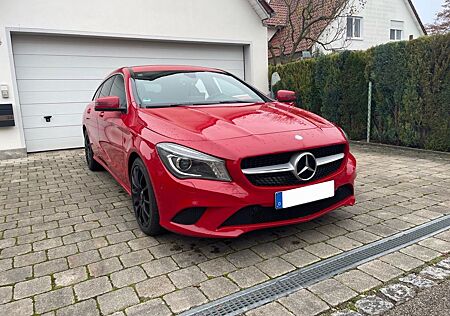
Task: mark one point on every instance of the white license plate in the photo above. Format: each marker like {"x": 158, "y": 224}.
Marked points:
{"x": 304, "y": 195}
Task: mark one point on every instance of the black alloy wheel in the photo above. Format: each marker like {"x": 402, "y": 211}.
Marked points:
{"x": 144, "y": 202}
{"x": 89, "y": 154}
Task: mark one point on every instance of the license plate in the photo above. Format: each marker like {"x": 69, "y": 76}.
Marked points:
{"x": 304, "y": 195}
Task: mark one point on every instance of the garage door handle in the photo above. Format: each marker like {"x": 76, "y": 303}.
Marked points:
{"x": 48, "y": 118}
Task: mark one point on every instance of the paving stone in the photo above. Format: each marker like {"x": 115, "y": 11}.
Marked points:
{"x": 128, "y": 276}
{"x": 332, "y": 291}
{"x": 63, "y": 251}
{"x": 136, "y": 257}
{"x": 29, "y": 259}
{"x": 50, "y": 267}
{"x": 304, "y": 303}
{"x": 189, "y": 258}
{"x": 445, "y": 264}
{"x": 154, "y": 307}
{"x": 218, "y": 287}
{"x": 217, "y": 267}
{"x": 15, "y": 251}
{"x": 92, "y": 288}
{"x": 275, "y": 267}
{"x": 420, "y": 252}
{"x": 363, "y": 237}
{"x": 380, "y": 270}
{"x": 91, "y": 244}
{"x": 76, "y": 237}
{"x": 70, "y": 277}
{"x": 331, "y": 230}
{"x": 104, "y": 267}
{"x": 47, "y": 244}
{"x": 84, "y": 308}
{"x": 159, "y": 267}
{"x": 6, "y": 293}
{"x": 270, "y": 309}
{"x": 346, "y": 312}
{"x": 436, "y": 244}
{"x": 373, "y": 305}
{"x": 312, "y": 236}
{"x": 114, "y": 250}
{"x": 244, "y": 258}
{"x": 83, "y": 258}
{"x": 358, "y": 280}
{"x": 418, "y": 281}
{"x": 248, "y": 277}
{"x": 322, "y": 250}
{"x": 142, "y": 243}
{"x": 344, "y": 243}
{"x": 120, "y": 237}
{"x": 18, "y": 308}
{"x": 155, "y": 287}
{"x": 300, "y": 258}
{"x": 184, "y": 299}
{"x": 402, "y": 261}
{"x": 435, "y": 273}
{"x": 6, "y": 264}
{"x": 53, "y": 300}
{"x": 268, "y": 250}
{"x": 14, "y": 275}
{"x": 187, "y": 277}
{"x": 32, "y": 287}
{"x": 117, "y": 300}
{"x": 399, "y": 293}
{"x": 444, "y": 236}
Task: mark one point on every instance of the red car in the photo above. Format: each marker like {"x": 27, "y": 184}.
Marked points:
{"x": 202, "y": 153}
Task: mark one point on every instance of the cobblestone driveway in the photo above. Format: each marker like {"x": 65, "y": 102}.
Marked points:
{"x": 69, "y": 243}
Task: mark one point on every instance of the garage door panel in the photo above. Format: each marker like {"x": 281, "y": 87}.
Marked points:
{"x": 54, "y": 109}
{"x": 58, "y": 85}
{"x": 40, "y": 97}
{"x": 57, "y": 76}
{"x": 64, "y": 46}
{"x": 48, "y": 132}
{"x": 48, "y": 144}
{"x": 58, "y": 120}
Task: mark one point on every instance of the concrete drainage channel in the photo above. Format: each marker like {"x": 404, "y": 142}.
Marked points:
{"x": 269, "y": 291}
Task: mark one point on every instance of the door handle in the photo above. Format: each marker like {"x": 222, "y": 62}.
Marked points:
{"x": 48, "y": 118}
{"x": 102, "y": 114}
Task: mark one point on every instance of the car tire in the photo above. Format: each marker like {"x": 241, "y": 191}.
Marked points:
{"x": 144, "y": 202}
{"x": 92, "y": 164}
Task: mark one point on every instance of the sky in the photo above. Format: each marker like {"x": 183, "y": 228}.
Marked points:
{"x": 427, "y": 9}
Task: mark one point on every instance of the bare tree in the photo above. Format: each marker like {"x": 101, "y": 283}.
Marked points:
{"x": 312, "y": 22}
{"x": 442, "y": 23}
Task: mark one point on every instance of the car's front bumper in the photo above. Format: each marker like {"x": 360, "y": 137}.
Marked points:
{"x": 229, "y": 209}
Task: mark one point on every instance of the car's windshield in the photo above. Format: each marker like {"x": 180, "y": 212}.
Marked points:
{"x": 177, "y": 88}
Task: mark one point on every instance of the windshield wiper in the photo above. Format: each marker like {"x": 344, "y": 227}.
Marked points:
{"x": 169, "y": 105}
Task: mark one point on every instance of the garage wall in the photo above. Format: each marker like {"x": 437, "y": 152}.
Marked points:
{"x": 226, "y": 21}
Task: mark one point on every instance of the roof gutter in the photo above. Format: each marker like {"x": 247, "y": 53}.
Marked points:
{"x": 262, "y": 8}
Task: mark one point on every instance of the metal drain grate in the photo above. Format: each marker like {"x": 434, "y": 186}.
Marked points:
{"x": 269, "y": 291}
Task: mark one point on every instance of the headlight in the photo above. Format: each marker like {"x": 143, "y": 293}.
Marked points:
{"x": 184, "y": 163}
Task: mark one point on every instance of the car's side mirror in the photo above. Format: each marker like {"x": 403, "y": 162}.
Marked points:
{"x": 286, "y": 96}
{"x": 110, "y": 104}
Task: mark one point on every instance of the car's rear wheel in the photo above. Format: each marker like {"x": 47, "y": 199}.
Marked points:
{"x": 144, "y": 202}
{"x": 92, "y": 164}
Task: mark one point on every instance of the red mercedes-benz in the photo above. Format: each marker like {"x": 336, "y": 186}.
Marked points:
{"x": 202, "y": 153}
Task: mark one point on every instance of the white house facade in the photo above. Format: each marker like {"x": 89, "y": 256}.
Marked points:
{"x": 53, "y": 55}
{"x": 377, "y": 22}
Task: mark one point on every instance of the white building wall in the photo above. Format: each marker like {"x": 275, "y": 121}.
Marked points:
{"x": 376, "y": 24}
{"x": 230, "y": 21}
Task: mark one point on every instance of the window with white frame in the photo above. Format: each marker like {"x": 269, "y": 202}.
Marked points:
{"x": 354, "y": 27}
{"x": 396, "y": 32}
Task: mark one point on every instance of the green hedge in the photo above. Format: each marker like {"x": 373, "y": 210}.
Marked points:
{"x": 411, "y": 91}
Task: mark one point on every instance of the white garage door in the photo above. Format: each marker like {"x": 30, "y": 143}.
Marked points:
{"x": 57, "y": 77}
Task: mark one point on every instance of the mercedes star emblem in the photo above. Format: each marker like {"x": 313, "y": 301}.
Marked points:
{"x": 305, "y": 166}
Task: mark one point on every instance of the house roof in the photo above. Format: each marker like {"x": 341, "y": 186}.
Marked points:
{"x": 419, "y": 20}
{"x": 262, "y": 8}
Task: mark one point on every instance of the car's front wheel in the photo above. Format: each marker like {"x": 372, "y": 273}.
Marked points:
{"x": 144, "y": 202}
{"x": 90, "y": 161}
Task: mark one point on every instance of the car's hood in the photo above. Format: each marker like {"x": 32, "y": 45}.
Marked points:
{"x": 228, "y": 121}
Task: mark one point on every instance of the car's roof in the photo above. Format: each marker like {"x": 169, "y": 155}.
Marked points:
{"x": 172, "y": 68}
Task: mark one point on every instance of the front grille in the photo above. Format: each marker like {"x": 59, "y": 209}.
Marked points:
{"x": 257, "y": 214}
{"x": 275, "y": 159}
{"x": 288, "y": 178}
